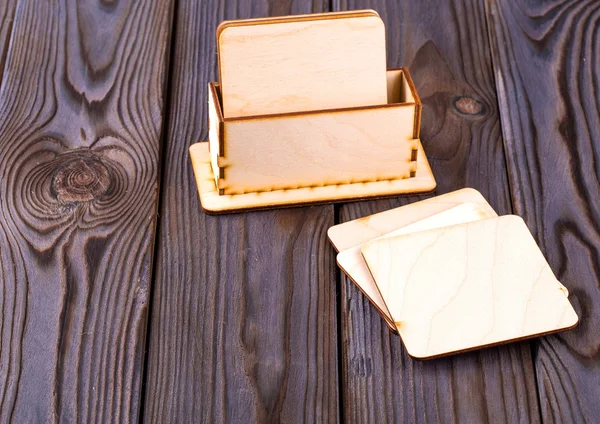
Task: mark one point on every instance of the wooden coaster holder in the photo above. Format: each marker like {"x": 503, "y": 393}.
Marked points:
{"x": 331, "y": 155}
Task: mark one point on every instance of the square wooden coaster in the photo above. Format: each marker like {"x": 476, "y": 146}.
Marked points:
{"x": 468, "y": 286}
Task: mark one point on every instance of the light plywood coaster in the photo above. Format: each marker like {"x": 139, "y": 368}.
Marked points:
{"x": 356, "y": 232}
{"x": 301, "y": 63}
{"x": 212, "y": 202}
{"x": 353, "y": 264}
{"x": 468, "y": 286}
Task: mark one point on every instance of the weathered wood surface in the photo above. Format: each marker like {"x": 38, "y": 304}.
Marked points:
{"x": 546, "y": 57}
{"x": 80, "y": 118}
{"x": 7, "y": 13}
{"x": 445, "y": 46}
{"x": 244, "y": 316}
{"x": 244, "y": 306}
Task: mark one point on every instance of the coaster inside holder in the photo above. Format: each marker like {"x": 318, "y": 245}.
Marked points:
{"x": 302, "y": 63}
{"x": 468, "y": 286}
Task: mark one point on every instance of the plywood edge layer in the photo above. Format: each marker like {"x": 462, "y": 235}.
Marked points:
{"x": 485, "y": 346}
{"x": 212, "y": 202}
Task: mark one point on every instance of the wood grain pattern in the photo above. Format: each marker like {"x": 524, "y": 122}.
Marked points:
{"x": 546, "y": 65}
{"x": 7, "y": 13}
{"x": 352, "y": 263}
{"x": 445, "y": 46}
{"x": 295, "y": 64}
{"x": 243, "y": 326}
{"x": 213, "y": 202}
{"x": 81, "y": 114}
{"x": 466, "y": 286}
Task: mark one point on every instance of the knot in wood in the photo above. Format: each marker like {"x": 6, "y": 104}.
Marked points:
{"x": 81, "y": 177}
{"x": 469, "y": 106}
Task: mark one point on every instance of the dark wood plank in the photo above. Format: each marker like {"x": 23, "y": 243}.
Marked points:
{"x": 7, "y": 13}
{"x": 243, "y": 322}
{"x": 546, "y": 57}
{"x": 81, "y": 115}
{"x": 445, "y": 45}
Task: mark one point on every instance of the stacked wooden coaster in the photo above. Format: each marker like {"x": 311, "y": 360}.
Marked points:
{"x": 450, "y": 275}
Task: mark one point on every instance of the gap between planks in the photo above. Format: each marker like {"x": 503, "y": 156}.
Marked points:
{"x": 533, "y": 344}
{"x": 166, "y": 123}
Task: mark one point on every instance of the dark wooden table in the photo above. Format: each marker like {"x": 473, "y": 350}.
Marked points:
{"x": 122, "y": 301}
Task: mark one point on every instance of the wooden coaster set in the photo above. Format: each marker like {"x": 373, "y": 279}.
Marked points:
{"x": 305, "y": 111}
{"x": 449, "y": 275}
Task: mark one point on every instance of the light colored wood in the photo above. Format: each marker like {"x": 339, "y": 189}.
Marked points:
{"x": 302, "y": 63}
{"x": 354, "y": 233}
{"x": 468, "y": 286}
{"x": 398, "y": 89}
{"x": 215, "y": 129}
{"x": 312, "y": 149}
{"x": 212, "y": 202}
{"x": 353, "y": 264}
{"x": 402, "y": 89}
